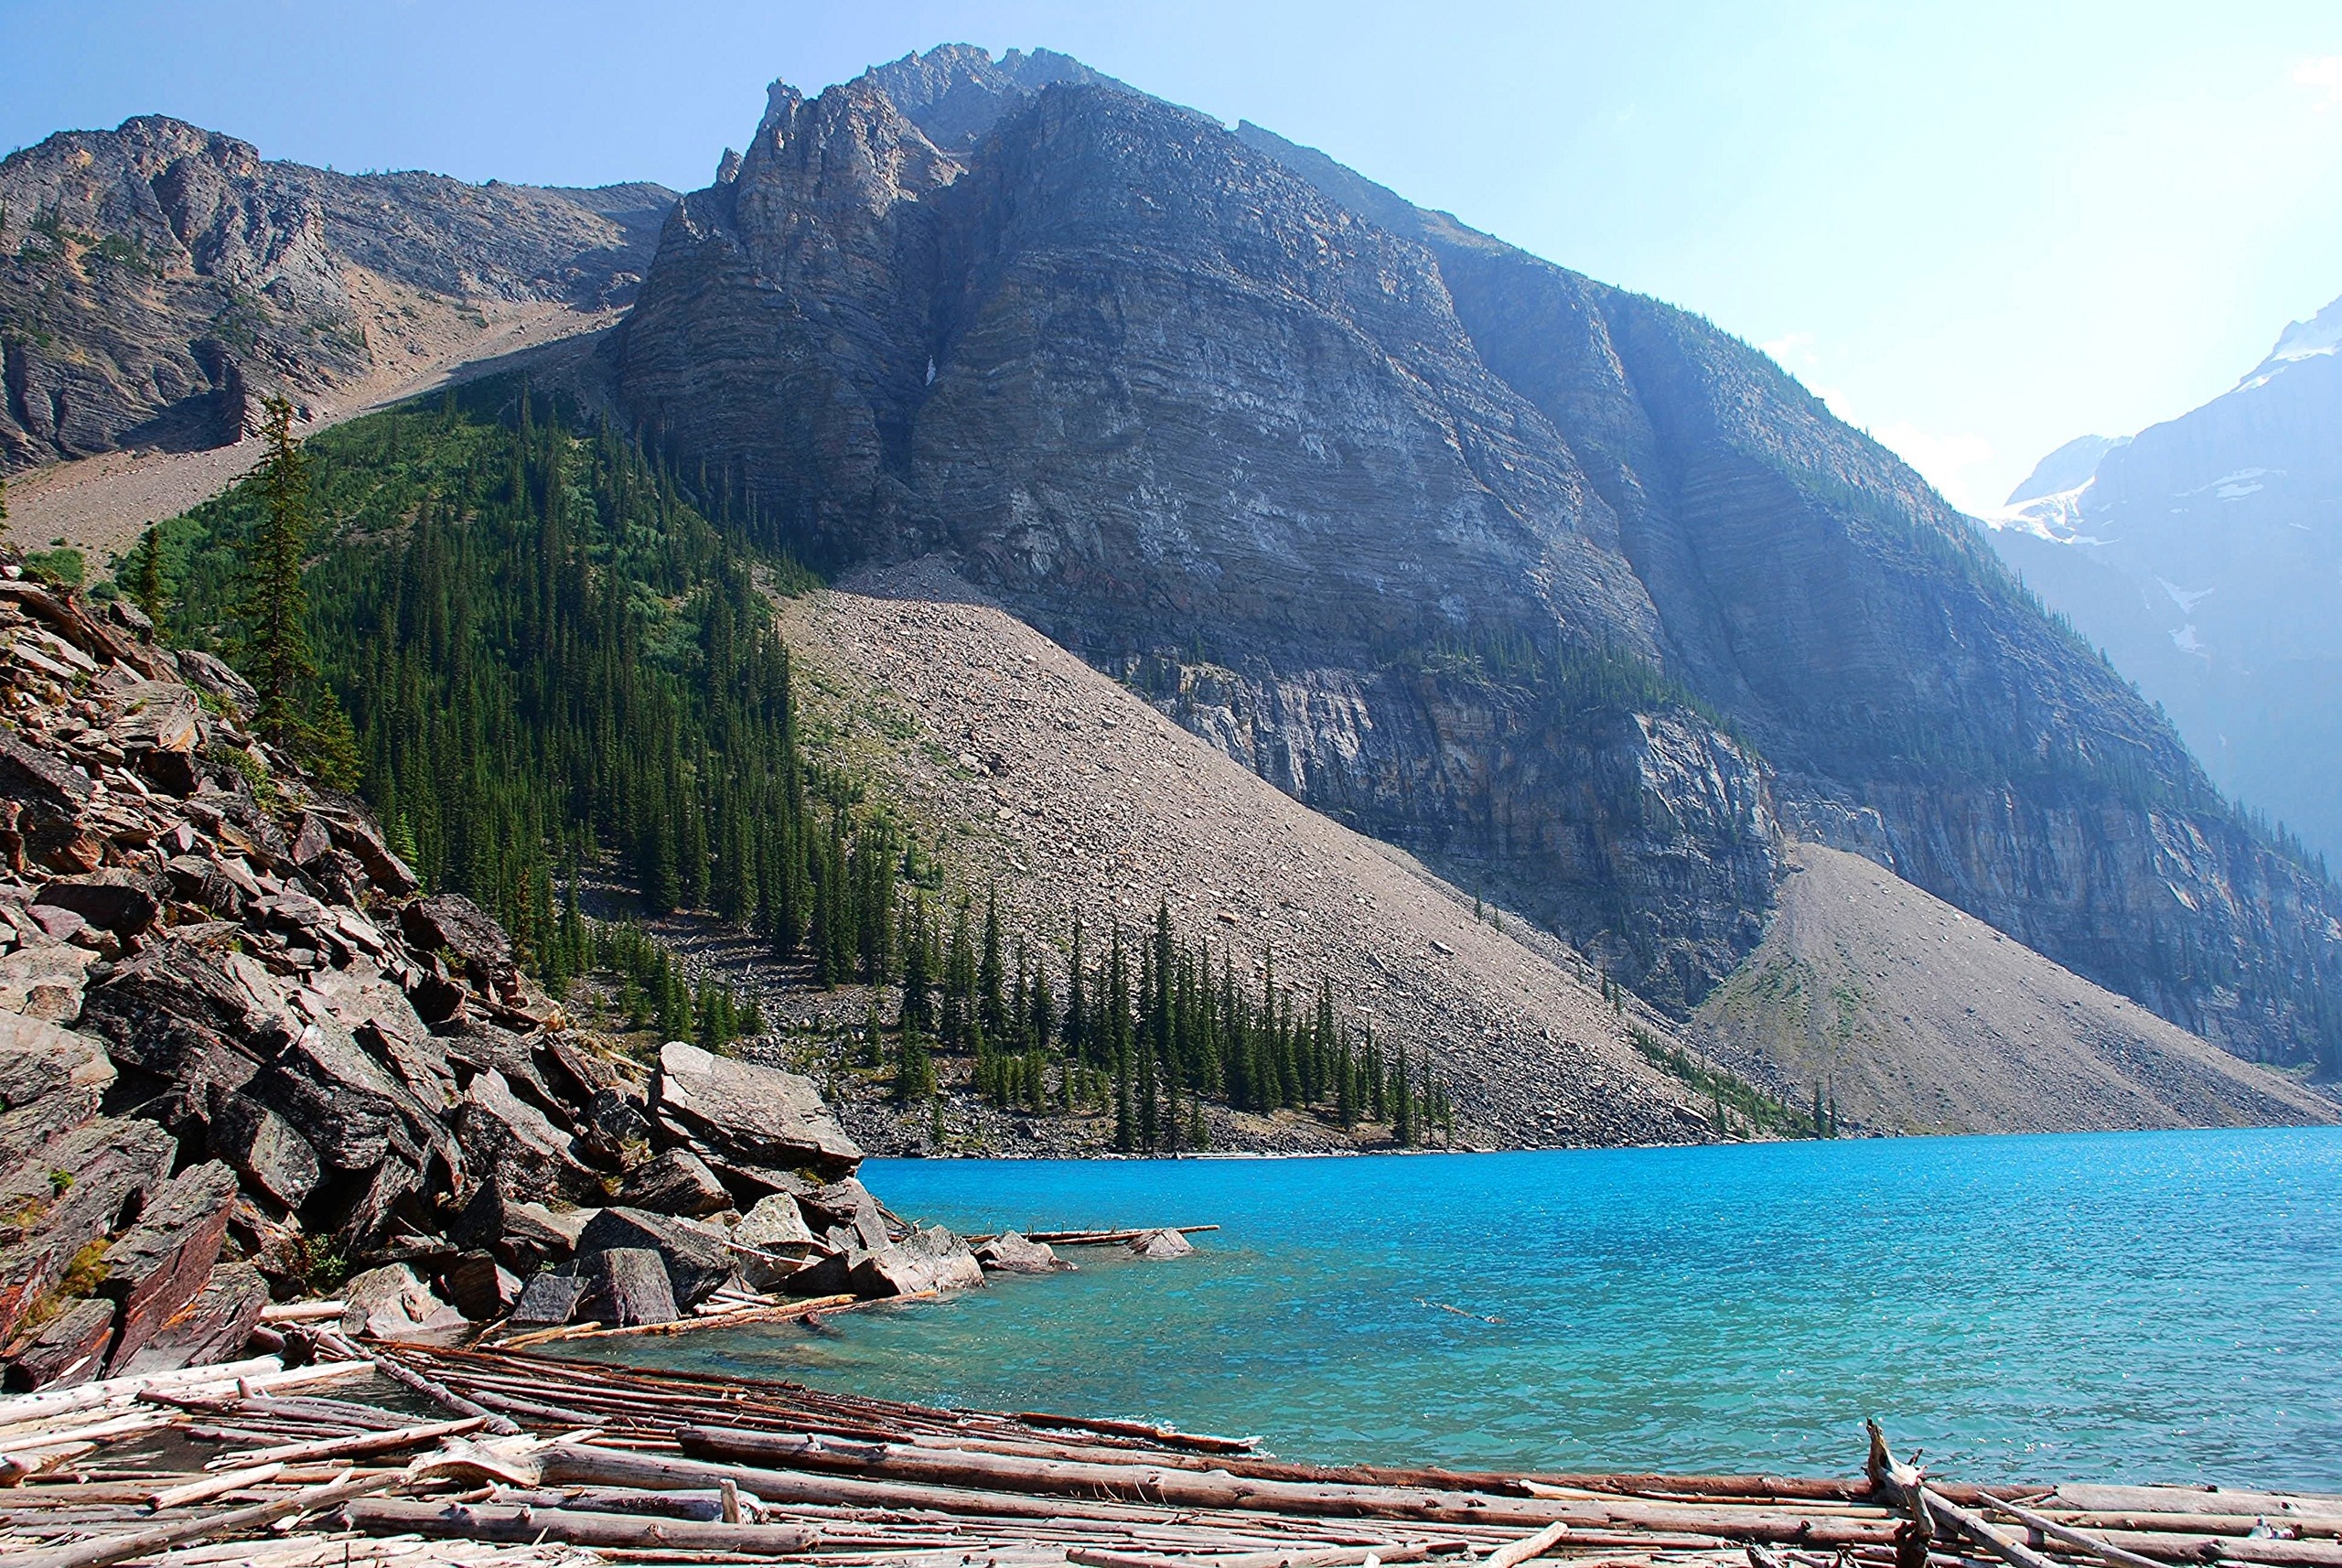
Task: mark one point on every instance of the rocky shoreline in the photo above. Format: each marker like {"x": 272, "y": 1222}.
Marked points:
{"x": 243, "y": 1061}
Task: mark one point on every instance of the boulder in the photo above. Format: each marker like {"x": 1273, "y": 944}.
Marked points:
{"x": 170, "y": 1008}
{"x": 747, "y": 1114}
{"x": 353, "y": 1113}
{"x": 37, "y": 1059}
{"x": 677, "y": 1182}
{"x": 39, "y": 782}
{"x": 213, "y": 1327}
{"x": 122, "y": 902}
{"x": 45, "y": 1116}
{"x": 162, "y": 1262}
{"x": 381, "y": 1018}
{"x": 210, "y": 674}
{"x": 1158, "y": 1244}
{"x": 629, "y": 1286}
{"x": 207, "y": 884}
{"x": 1010, "y": 1253}
{"x": 697, "y": 1258}
{"x": 775, "y": 1225}
{"x": 451, "y": 923}
{"x": 45, "y": 982}
{"x": 848, "y": 1205}
{"x": 613, "y": 1119}
{"x": 394, "y": 1302}
{"x": 311, "y": 841}
{"x": 358, "y": 835}
{"x": 481, "y": 1286}
{"x": 829, "y": 1270}
{"x": 505, "y": 1139}
{"x": 108, "y": 1167}
{"x": 548, "y": 1301}
{"x": 266, "y": 1150}
{"x": 393, "y": 1189}
{"x": 158, "y": 715}
{"x": 70, "y": 1348}
{"x": 525, "y": 1236}
{"x": 930, "y": 1259}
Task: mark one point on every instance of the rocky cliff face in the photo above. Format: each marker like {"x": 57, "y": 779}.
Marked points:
{"x": 154, "y": 277}
{"x": 1551, "y": 582}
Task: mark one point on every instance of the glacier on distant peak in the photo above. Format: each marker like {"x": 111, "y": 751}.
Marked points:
{"x": 2320, "y": 335}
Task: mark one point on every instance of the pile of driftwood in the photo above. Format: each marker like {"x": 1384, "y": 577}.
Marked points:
{"x": 406, "y": 1453}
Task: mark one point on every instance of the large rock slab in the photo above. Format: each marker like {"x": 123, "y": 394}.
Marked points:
{"x": 112, "y": 899}
{"x": 630, "y": 1286}
{"x": 677, "y": 1182}
{"x": 351, "y": 1110}
{"x": 46, "y": 982}
{"x": 213, "y": 1327}
{"x": 69, "y": 1193}
{"x": 395, "y": 1303}
{"x": 929, "y": 1260}
{"x": 747, "y": 1114}
{"x": 697, "y": 1258}
{"x": 549, "y": 1301}
{"x": 70, "y": 1348}
{"x": 846, "y": 1206}
{"x": 453, "y": 924}
{"x": 505, "y": 1138}
{"x": 171, "y": 1010}
{"x": 481, "y": 1286}
{"x": 266, "y": 1150}
{"x": 776, "y": 1225}
{"x": 163, "y": 1263}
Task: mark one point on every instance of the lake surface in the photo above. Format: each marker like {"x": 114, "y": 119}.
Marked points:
{"x": 2151, "y": 1306}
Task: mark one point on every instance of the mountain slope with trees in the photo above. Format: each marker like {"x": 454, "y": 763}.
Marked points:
{"x": 1555, "y": 584}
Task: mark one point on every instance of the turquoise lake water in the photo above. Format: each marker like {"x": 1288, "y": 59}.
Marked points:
{"x": 2153, "y": 1307}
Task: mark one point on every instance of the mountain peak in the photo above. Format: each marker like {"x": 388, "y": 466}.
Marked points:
{"x": 2318, "y": 336}
{"x": 2067, "y": 468}
{"x": 955, "y": 93}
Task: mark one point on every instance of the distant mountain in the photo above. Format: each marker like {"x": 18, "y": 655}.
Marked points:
{"x": 2206, "y": 556}
{"x": 155, "y": 278}
{"x": 1584, "y": 600}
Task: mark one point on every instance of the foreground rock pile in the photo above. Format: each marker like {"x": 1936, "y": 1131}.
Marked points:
{"x": 243, "y": 1059}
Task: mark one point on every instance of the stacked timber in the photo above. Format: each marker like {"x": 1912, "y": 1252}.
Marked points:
{"x": 337, "y": 1463}
{"x": 242, "y": 1055}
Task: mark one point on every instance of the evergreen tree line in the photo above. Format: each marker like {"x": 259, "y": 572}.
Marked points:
{"x": 1150, "y": 1028}
{"x": 533, "y": 648}
{"x": 547, "y": 653}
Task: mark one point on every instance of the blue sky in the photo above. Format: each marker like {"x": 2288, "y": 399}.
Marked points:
{"x": 1977, "y": 229}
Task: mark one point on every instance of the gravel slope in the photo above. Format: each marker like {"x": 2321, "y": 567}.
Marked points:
{"x": 1024, "y": 757}
{"x": 1923, "y": 1019}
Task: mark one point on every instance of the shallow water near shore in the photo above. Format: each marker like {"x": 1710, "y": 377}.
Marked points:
{"x": 2125, "y": 1307}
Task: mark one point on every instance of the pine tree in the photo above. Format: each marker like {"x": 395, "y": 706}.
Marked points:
{"x": 914, "y": 1067}
{"x": 990, "y": 979}
{"x": 274, "y": 608}
{"x": 146, "y": 574}
{"x": 918, "y": 979}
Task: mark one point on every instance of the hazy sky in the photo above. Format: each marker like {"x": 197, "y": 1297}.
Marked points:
{"x": 1977, "y": 229}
